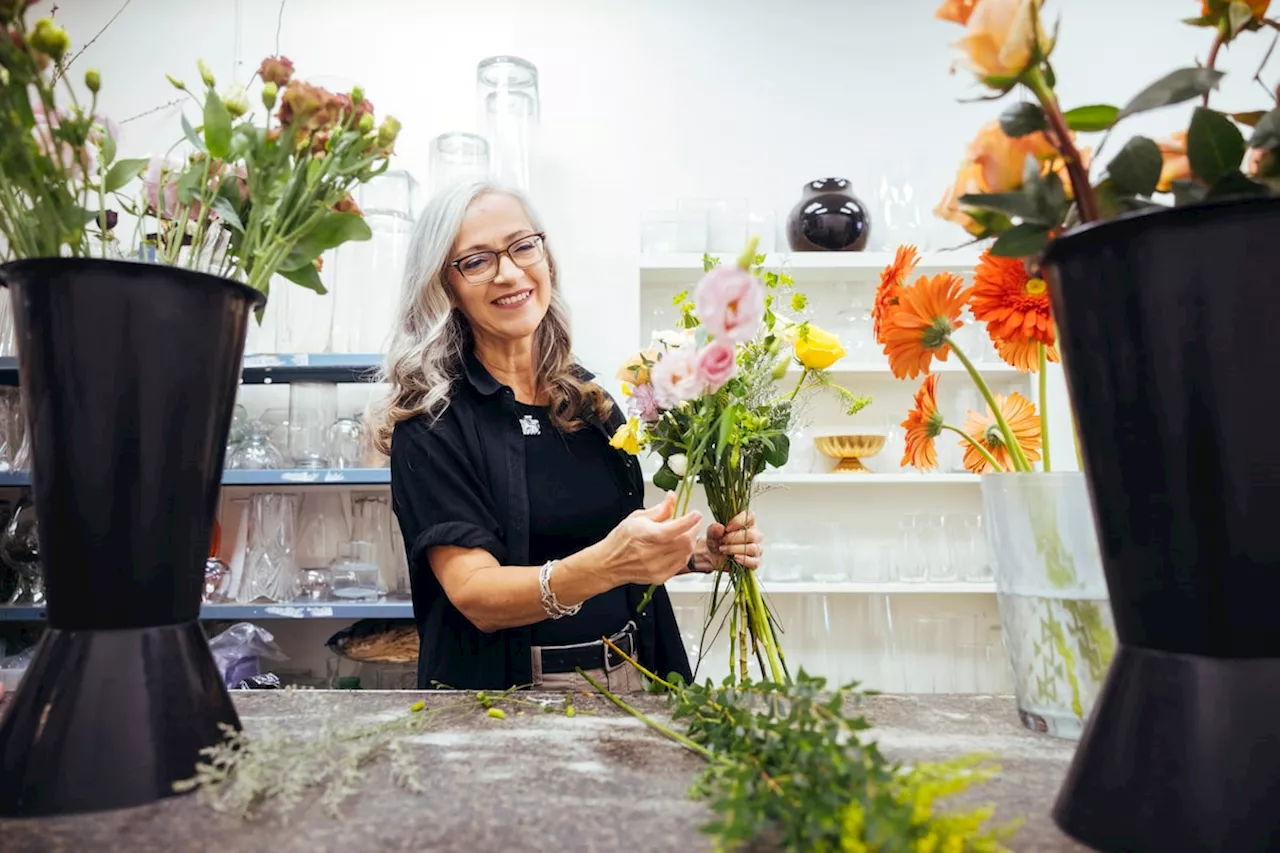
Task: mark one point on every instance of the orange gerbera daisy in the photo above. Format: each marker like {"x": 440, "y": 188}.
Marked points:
{"x": 1020, "y": 414}
{"x": 1024, "y": 354}
{"x": 923, "y": 425}
{"x": 1013, "y": 303}
{"x": 916, "y": 329}
{"x": 891, "y": 280}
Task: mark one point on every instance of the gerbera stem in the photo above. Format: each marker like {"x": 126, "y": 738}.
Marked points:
{"x": 977, "y": 445}
{"x": 1044, "y": 408}
{"x": 1015, "y": 450}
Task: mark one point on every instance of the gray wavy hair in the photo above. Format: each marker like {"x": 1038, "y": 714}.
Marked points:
{"x": 431, "y": 337}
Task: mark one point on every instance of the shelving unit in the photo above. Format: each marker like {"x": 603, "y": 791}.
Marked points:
{"x": 275, "y": 369}
{"x": 404, "y": 609}
{"x": 806, "y": 267}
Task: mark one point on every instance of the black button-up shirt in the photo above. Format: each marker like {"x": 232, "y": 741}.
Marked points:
{"x": 460, "y": 480}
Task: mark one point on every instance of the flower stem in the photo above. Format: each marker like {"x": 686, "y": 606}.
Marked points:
{"x": 977, "y": 445}
{"x": 686, "y": 742}
{"x": 1015, "y": 450}
{"x": 804, "y": 374}
{"x": 1080, "y": 187}
{"x": 1044, "y": 408}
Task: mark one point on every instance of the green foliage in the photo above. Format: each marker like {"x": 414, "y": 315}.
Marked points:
{"x": 1174, "y": 88}
{"x": 1092, "y": 118}
{"x": 1215, "y": 145}
{"x": 1022, "y": 119}
{"x": 792, "y": 764}
{"x": 1136, "y": 169}
{"x": 273, "y": 773}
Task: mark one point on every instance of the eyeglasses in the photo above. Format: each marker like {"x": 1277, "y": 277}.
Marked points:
{"x": 482, "y": 267}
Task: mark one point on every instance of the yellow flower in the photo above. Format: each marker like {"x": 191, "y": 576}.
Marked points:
{"x": 816, "y": 348}
{"x": 627, "y": 438}
{"x": 1001, "y": 37}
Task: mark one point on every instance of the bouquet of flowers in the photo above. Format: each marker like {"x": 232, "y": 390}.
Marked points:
{"x": 246, "y": 200}
{"x": 706, "y": 399}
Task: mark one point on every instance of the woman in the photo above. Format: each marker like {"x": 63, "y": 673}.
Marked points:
{"x": 526, "y": 534}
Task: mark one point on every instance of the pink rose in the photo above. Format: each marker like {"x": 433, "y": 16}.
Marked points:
{"x": 730, "y": 303}
{"x": 716, "y": 364}
{"x": 675, "y": 378}
{"x": 643, "y": 403}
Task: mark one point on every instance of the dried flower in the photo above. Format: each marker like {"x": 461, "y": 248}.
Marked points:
{"x": 348, "y": 205}
{"x": 276, "y": 70}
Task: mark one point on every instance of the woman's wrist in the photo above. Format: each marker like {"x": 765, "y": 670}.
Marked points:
{"x": 582, "y": 575}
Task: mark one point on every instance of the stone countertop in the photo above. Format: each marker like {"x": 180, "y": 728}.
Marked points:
{"x": 600, "y": 781}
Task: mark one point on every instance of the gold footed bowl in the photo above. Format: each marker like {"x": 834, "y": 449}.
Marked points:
{"x": 850, "y": 450}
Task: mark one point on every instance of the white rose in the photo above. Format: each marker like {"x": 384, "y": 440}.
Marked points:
{"x": 678, "y": 463}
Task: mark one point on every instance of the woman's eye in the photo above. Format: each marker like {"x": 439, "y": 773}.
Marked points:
{"x": 475, "y": 263}
{"x": 523, "y": 247}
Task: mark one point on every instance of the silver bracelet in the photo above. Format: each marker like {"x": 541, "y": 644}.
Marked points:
{"x": 550, "y": 603}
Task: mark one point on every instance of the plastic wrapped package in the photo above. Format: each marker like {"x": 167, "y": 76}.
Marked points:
{"x": 239, "y": 650}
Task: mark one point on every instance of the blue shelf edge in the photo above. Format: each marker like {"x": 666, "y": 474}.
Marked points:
{"x": 270, "y": 368}
{"x": 271, "y": 477}
{"x": 295, "y": 610}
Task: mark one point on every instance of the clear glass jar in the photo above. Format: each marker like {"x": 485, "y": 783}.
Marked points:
{"x": 508, "y": 112}
{"x": 456, "y": 157}
{"x": 366, "y": 291}
{"x": 354, "y": 574}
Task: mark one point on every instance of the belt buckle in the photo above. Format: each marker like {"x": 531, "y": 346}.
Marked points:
{"x": 629, "y": 646}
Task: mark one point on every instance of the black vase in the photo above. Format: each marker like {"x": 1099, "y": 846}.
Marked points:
{"x": 129, "y": 373}
{"x": 828, "y": 218}
{"x": 1168, "y": 324}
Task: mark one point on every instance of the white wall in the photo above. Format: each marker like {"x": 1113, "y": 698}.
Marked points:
{"x": 644, "y": 103}
{"x": 647, "y": 102}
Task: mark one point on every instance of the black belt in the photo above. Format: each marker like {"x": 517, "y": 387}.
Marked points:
{"x": 589, "y": 656}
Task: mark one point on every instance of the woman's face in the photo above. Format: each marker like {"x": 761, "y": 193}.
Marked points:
{"x": 512, "y": 302}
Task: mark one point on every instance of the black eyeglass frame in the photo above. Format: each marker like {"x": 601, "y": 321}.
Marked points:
{"x": 539, "y": 236}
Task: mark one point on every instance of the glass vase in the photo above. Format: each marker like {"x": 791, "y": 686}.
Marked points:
{"x": 366, "y": 292}
{"x": 508, "y": 112}
{"x": 456, "y": 157}
{"x": 1052, "y": 596}
{"x": 271, "y": 568}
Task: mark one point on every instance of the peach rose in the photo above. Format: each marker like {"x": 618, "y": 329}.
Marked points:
{"x": 956, "y": 11}
{"x": 1001, "y": 37}
{"x": 1001, "y": 158}
{"x": 1257, "y": 7}
{"x": 1177, "y": 166}
{"x": 969, "y": 180}
{"x": 636, "y": 368}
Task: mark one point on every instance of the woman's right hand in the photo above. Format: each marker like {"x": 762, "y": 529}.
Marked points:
{"x": 650, "y": 546}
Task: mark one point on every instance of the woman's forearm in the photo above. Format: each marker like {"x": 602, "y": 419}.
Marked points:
{"x": 497, "y": 597}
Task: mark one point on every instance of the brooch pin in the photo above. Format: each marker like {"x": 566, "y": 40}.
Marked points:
{"x": 529, "y": 425}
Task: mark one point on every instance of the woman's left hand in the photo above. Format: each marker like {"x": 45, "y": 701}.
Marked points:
{"x": 739, "y": 539}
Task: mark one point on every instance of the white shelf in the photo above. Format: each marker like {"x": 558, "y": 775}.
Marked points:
{"x": 702, "y": 586}
{"x": 845, "y": 480}
{"x": 881, "y": 368}
{"x": 810, "y": 265}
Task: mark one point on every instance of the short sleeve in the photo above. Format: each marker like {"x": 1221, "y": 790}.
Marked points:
{"x": 438, "y": 494}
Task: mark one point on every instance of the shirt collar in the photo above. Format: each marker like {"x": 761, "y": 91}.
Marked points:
{"x": 484, "y": 383}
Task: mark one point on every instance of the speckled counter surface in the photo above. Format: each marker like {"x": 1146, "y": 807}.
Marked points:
{"x": 544, "y": 782}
